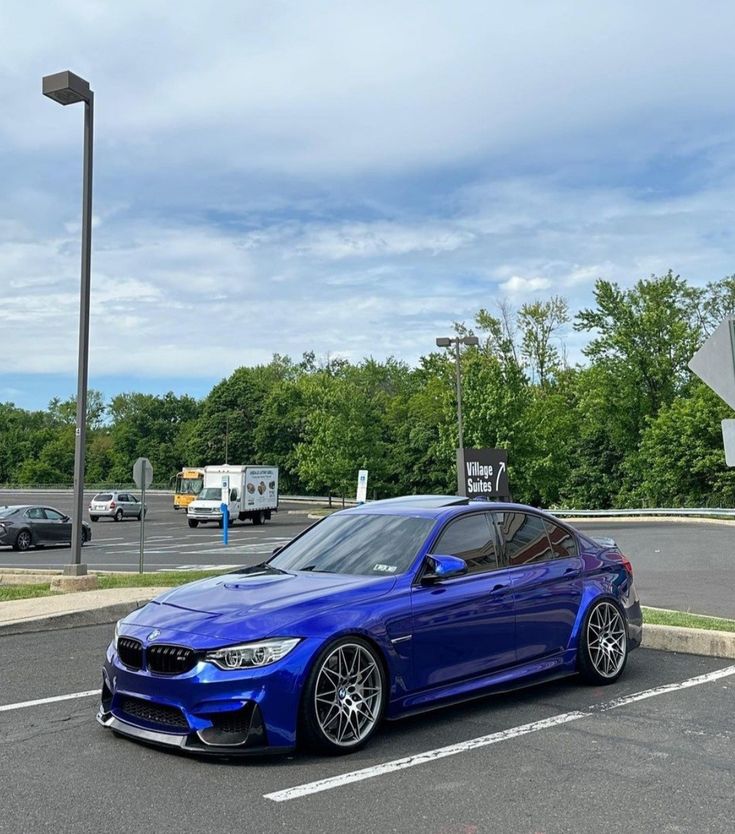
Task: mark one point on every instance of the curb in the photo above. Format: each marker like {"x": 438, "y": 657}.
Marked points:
{"x": 73, "y": 619}
{"x": 689, "y": 640}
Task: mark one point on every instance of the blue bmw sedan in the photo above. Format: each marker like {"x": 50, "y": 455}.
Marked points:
{"x": 372, "y": 613}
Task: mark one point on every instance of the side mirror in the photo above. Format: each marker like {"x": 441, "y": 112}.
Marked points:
{"x": 65, "y": 518}
{"x": 443, "y": 567}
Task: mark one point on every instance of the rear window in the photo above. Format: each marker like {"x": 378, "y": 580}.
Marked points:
{"x": 103, "y": 496}
{"x": 6, "y": 511}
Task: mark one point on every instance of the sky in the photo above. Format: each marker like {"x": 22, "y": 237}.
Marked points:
{"x": 347, "y": 178}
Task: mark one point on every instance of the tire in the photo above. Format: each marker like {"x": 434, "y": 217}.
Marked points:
{"x": 258, "y": 517}
{"x": 85, "y": 536}
{"x": 142, "y": 514}
{"x": 94, "y": 518}
{"x": 220, "y": 524}
{"x": 230, "y": 520}
{"x": 603, "y": 646}
{"x": 342, "y": 708}
{"x": 23, "y": 541}
{"x": 119, "y": 515}
{"x": 192, "y": 522}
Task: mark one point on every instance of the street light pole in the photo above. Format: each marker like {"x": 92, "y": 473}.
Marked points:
{"x": 457, "y": 341}
{"x": 67, "y": 88}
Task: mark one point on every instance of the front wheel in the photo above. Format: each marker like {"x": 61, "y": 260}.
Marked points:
{"x": 192, "y": 522}
{"x": 344, "y": 697}
{"x": 603, "y": 649}
{"x": 23, "y": 541}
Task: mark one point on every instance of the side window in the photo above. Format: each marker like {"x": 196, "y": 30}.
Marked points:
{"x": 53, "y": 515}
{"x": 472, "y": 538}
{"x": 36, "y": 513}
{"x": 132, "y": 499}
{"x": 562, "y": 541}
{"x": 525, "y": 538}
{"x": 122, "y": 497}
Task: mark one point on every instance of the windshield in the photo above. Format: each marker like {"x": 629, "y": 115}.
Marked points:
{"x": 189, "y": 486}
{"x": 368, "y": 545}
{"x": 211, "y": 494}
{"x": 6, "y": 511}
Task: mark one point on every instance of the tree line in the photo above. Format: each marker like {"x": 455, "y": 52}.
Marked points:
{"x": 630, "y": 426}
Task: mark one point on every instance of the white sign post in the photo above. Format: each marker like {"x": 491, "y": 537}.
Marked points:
{"x": 225, "y": 507}
{"x": 714, "y": 364}
{"x": 143, "y": 477}
{"x": 362, "y": 479}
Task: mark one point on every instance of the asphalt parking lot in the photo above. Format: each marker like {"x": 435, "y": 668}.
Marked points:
{"x": 169, "y": 541}
{"x": 653, "y": 753}
{"x": 689, "y": 566}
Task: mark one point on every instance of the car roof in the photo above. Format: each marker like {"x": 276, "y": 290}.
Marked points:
{"x": 18, "y": 506}
{"x": 435, "y": 506}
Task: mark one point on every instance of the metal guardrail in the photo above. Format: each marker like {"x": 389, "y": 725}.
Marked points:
{"x": 726, "y": 512}
{"x": 337, "y": 501}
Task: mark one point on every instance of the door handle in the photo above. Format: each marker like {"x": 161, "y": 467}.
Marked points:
{"x": 499, "y": 586}
{"x": 570, "y": 571}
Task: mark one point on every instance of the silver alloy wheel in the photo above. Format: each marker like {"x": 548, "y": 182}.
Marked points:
{"x": 606, "y": 639}
{"x": 348, "y": 695}
{"x": 23, "y": 542}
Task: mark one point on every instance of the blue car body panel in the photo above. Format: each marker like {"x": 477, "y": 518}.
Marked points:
{"x": 439, "y": 642}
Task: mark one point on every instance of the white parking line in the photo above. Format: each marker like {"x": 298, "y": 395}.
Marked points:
{"x": 493, "y": 738}
{"x": 24, "y": 704}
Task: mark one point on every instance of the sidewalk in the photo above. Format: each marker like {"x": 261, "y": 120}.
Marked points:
{"x": 66, "y": 610}
{"x": 86, "y": 608}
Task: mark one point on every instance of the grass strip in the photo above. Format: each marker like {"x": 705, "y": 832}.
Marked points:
{"x": 683, "y": 619}
{"x": 164, "y": 579}
{"x": 11, "y": 592}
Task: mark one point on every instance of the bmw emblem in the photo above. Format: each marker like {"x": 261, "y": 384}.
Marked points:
{"x": 155, "y": 633}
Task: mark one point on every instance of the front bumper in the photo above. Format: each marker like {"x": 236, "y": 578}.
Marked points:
{"x": 206, "y": 710}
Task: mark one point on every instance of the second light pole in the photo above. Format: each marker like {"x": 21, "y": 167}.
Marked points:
{"x": 456, "y": 342}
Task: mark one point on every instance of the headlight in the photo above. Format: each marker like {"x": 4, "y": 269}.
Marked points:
{"x": 117, "y": 634}
{"x": 251, "y": 655}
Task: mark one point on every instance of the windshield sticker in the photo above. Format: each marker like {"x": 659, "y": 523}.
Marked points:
{"x": 385, "y": 568}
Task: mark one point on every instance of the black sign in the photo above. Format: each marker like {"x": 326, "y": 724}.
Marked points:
{"x": 483, "y": 472}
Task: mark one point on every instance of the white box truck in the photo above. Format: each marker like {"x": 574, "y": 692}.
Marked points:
{"x": 253, "y": 494}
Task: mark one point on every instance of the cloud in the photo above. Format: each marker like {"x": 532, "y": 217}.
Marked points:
{"x": 350, "y": 178}
{"x": 519, "y": 286}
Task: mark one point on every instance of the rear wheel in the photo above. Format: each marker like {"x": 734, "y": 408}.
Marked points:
{"x": 119, "y": 515}
{"x": 344, "y": 697}
{"x": 23, "y": 540}
{"x": 259, "y": 517}
{"x": 192, "y": 522}
{"x": 85, "y": 536}
{"x": 603, "y": 650}
{"x": 94, "y": 518}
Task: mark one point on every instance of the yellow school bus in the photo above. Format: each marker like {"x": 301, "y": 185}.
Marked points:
{"x": 189, "y": 483}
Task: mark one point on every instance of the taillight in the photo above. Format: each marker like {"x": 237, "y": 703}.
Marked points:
{"x": 112, "y": 505}
{"x": 628, "y": 567}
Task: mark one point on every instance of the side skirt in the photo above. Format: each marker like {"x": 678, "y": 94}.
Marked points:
{"x": 516, "y": 677}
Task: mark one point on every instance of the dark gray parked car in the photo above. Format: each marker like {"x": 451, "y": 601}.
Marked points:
{"x": 116, "y": 505}
{"x": 23, "y": 526}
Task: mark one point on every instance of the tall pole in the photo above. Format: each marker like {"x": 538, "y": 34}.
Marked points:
{"x": 76, "y": 568}
{"x": 459, "y": 392}
{"x": 460, "y": 452}
{"x": 446, "y": 342}
{"x": 227, "y": 437}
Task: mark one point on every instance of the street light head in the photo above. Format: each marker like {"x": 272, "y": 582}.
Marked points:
{"x": 443, "y": 342}
{"x": 66, "y": 88}
{"x": 472, "y": 341}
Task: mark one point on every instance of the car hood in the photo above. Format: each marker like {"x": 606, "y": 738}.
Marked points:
{"x": 249, "y": 606}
